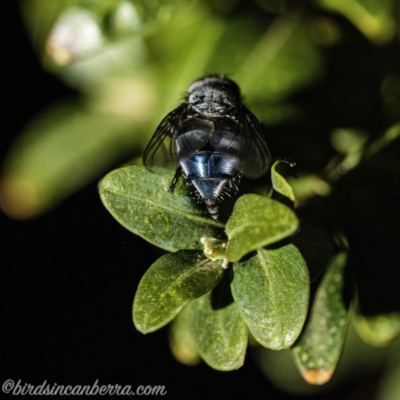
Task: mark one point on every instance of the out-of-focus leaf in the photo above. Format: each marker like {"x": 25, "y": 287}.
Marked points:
{"x": 280, "y": 184}
{"x": 87, "y": 42}
{"x": 123, "y": 60}
{"x": 390, "y": 135}
{"x": 374, "y": 18}
{"x": 271, "y": 290}
{"x": 389, "y": 383}
{"x": 139, "y": 201}
{"x": 39, "y": 17}
{"x": 267, "y": 70}
{"x": 130, "y": 15}
{"x": 220, "y": 333}
{"x": 79, "y": 23}
{"x": 159, "y": 12}
{"x": 349, "y": 142}
{"x": 181, "y": 341}
{"x": 125, "y": 19}
{"x": 77, "y": 34}
{"x": 78, "y": 50}
{"x": 318, "y": 350}
{"x": 274, "y": 59}
{"x": 307, "y": 186}
{"x": 60, "y": 152}
{"x": 257, "y": 221}
{"x": 194, "y": 36}
{"x": 169, "y": 284}
{"x": 266, "y": 62}
{"x": 272, "y": 6}
{"x": 282, "y": 61}
{"x": 378, "y": 330}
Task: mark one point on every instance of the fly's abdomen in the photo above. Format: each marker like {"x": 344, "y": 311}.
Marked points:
{"x": 210, "y": 173}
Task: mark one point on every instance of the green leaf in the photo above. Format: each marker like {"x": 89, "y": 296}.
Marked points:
{"x": 375, "y": 19}
{"x": 318, "y": 350}
{"x": 169, "y": 284}
{"x": 280, "y": 184}
{"x": 62, "y": 150}
{"x": 117, "y": 16}
{"x": 271, "y": 290}
{"x": 282, "y": 60}
{"x": 393, "y": 133}
{"x": 389, "y": 383}
{"x": 181, "y": 341}
{"x": 139, "y": 201}
{"x": 220, "y": 333}
{"x": 378, "y": 330}
{"x": 154, "y": 14}
{"x": 256, "y": 222}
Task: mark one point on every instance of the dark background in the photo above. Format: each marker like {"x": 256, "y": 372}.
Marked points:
{"x": 68, "y": 278}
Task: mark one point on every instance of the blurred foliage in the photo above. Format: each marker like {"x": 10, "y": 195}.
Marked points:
{"x": 322, "y": 75}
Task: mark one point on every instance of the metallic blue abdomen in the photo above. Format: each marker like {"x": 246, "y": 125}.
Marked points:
{"x": 210, "y": 172}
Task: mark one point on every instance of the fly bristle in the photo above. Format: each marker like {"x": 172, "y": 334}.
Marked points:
{"x": 227, "y": 192}
{"x": 198, "y": 197}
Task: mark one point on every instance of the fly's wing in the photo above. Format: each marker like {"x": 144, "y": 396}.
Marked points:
{"x": 195, "y": 134}
{"x": 161, "y": 150}
{"x": 257, "y": 158}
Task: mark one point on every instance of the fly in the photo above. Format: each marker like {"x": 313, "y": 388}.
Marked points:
{"x": 212, "y": 140}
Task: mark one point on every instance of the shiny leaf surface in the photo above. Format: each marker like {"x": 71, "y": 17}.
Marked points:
{"x": 318, "y": 350}
{"x": 256, "y": 222}
{"x": 139, "y": 201}
{"x": 271, "y": 290}
{"x": 220, "y": 333}
{"x": 169, "y": 284}
{"x": 280, "y": 184}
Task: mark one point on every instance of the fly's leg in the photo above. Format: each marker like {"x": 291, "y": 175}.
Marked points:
{"x": 233, "y": 181}
{"x": 286, "y": 160}
{"x": 174, "y": 180}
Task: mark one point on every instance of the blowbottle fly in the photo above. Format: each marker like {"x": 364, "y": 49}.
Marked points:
{"x": 212, "y": 140}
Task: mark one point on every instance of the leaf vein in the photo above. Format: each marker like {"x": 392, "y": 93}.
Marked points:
{"x": 272, "y": 294}
{"x": 188, "y": 215}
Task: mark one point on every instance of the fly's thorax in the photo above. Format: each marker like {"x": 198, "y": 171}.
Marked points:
{"x": 214, "y": 96}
